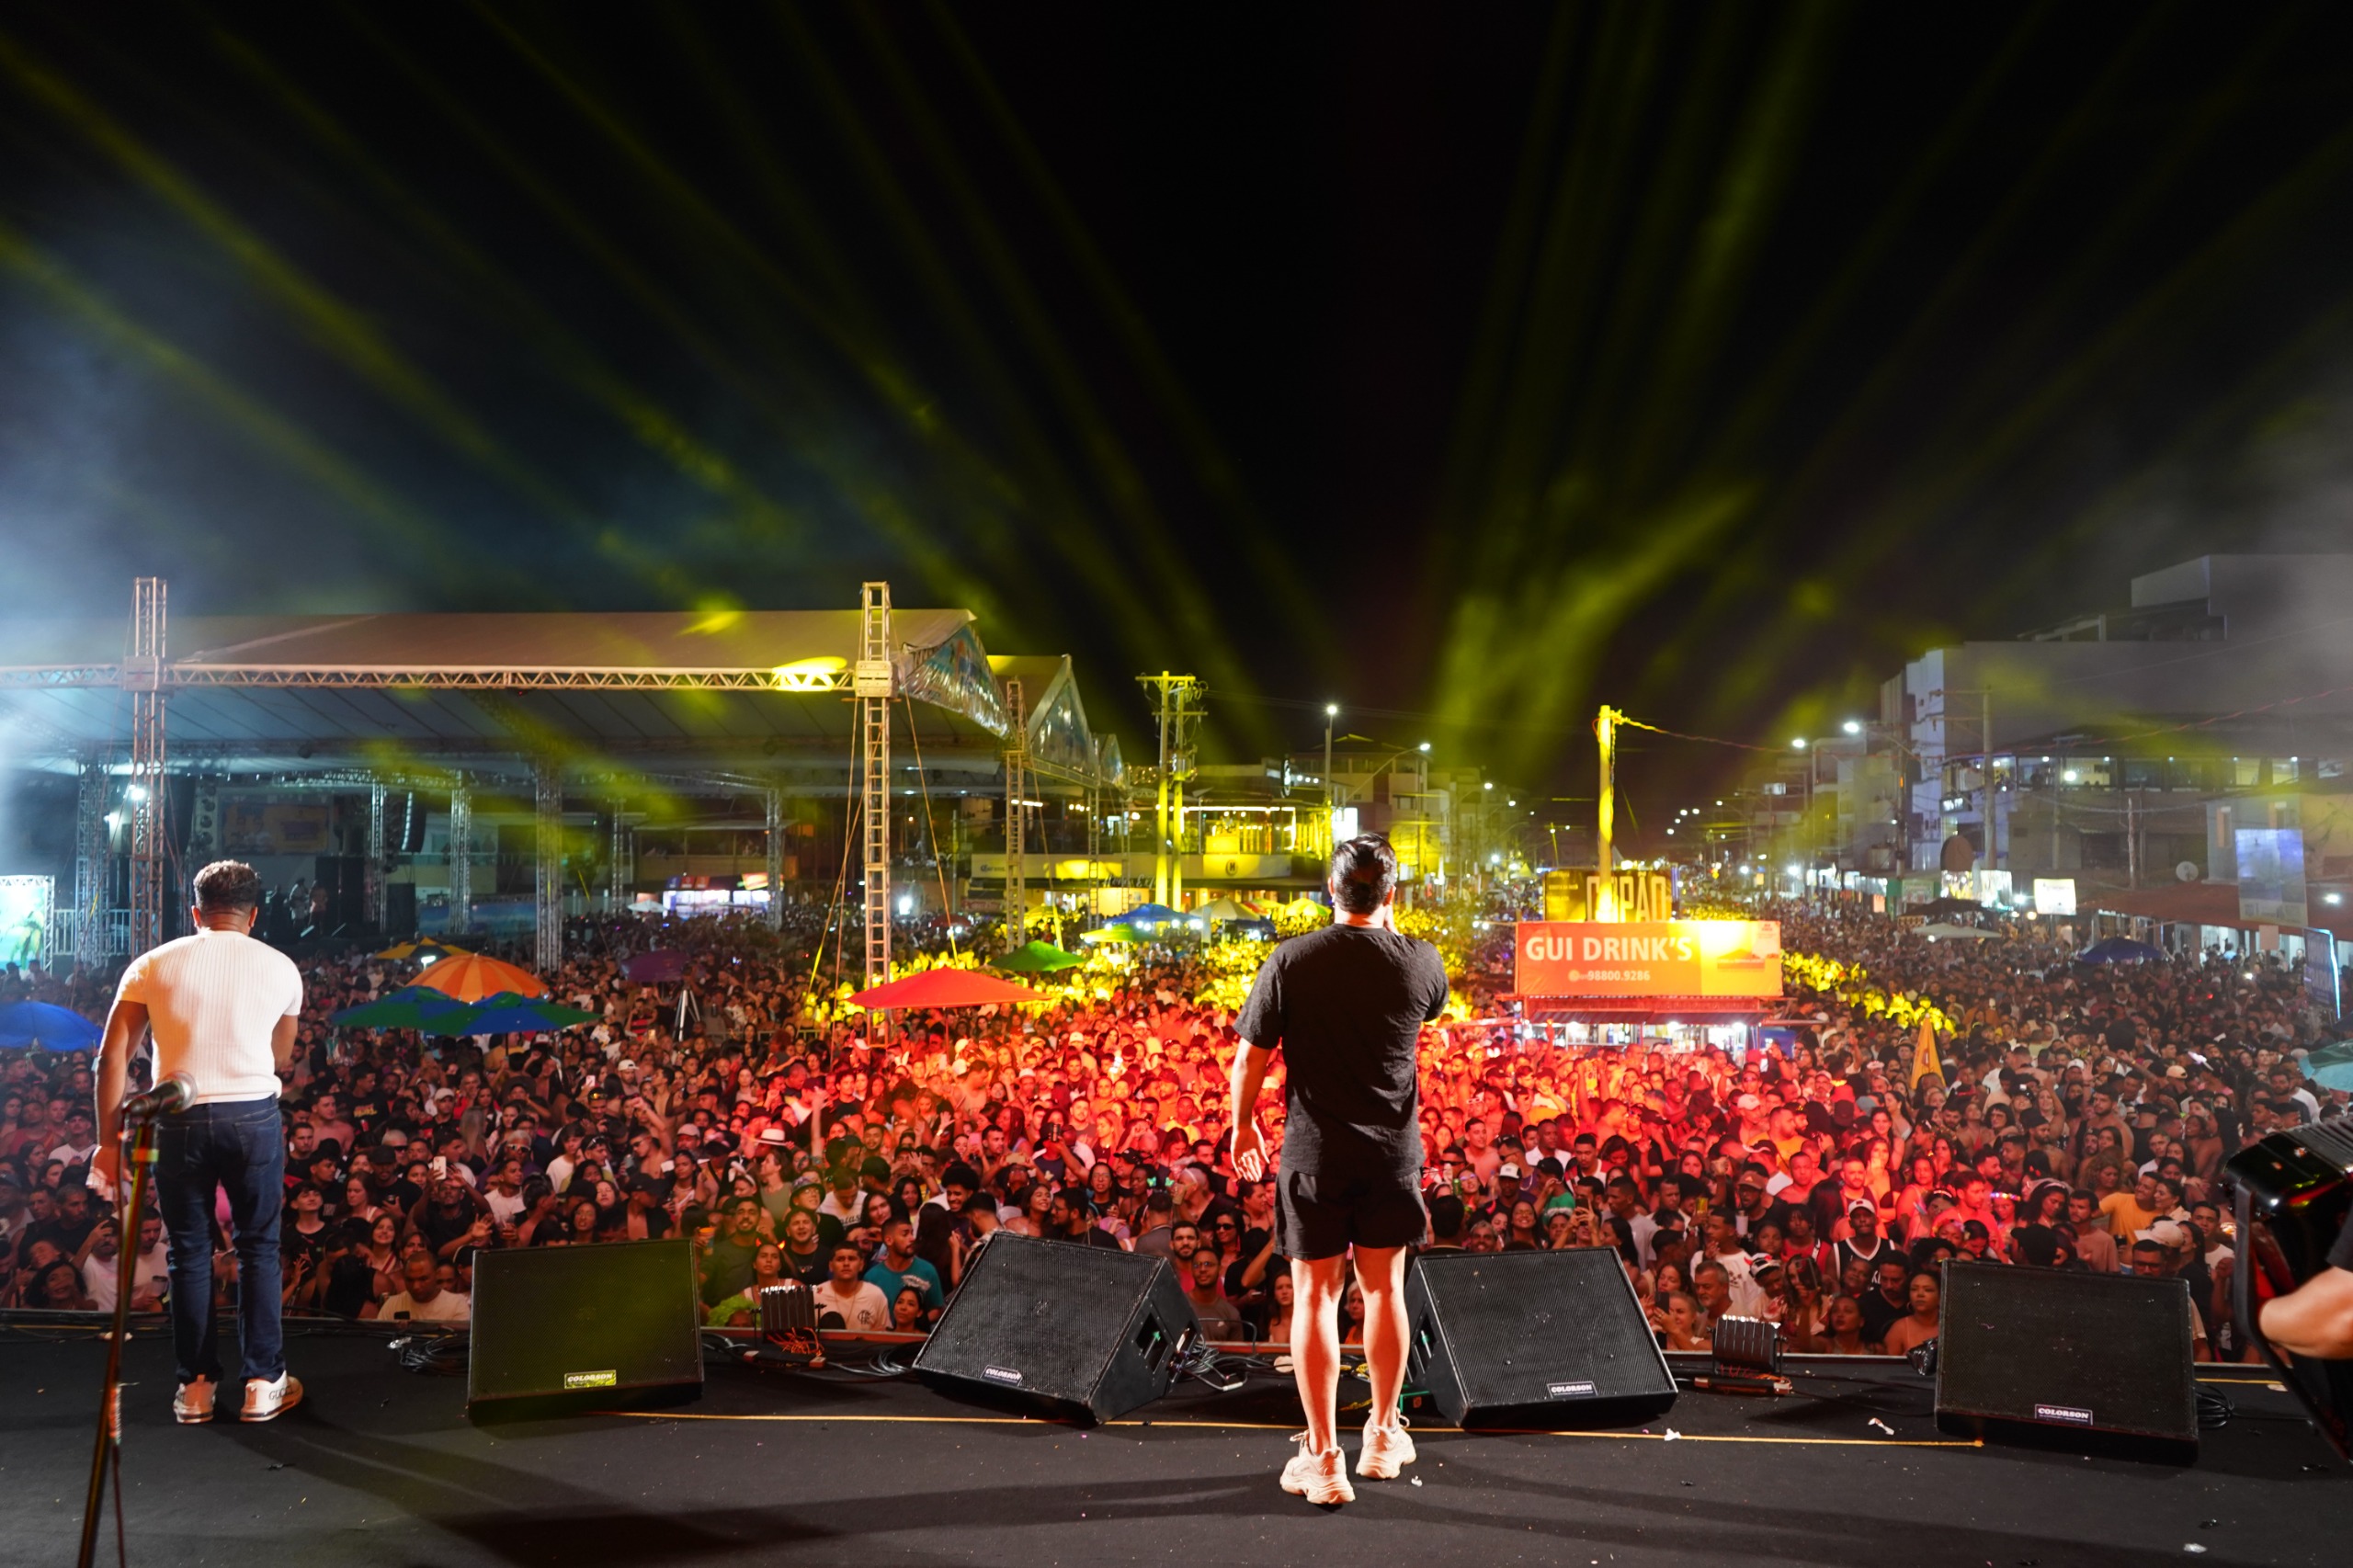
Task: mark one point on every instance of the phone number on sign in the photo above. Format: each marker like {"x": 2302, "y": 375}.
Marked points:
{"x": 1620, "y": 974}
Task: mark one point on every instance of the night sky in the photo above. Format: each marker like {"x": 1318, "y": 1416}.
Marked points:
{"x": 1468, "y": 364}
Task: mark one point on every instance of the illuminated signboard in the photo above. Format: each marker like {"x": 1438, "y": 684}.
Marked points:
{"x": 1628, "y": 895}
{"x": 1647, "y": 958}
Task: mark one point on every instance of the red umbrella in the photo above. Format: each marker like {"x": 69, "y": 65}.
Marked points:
{"x": 945, "y": 988}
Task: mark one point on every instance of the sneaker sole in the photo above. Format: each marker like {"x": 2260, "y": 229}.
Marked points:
{"x": 272, "y": 1414}
{"x": 1387, "y": 1469}
{"x": 188, "y": 1420}
{"x": 1342, "y": 1493}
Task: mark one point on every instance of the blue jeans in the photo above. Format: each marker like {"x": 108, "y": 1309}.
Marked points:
{"x": 240, "y": 1145}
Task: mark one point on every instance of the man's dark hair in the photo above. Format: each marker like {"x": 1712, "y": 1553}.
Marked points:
{"x": 1446, "y": 1218}
{"x": 1364, "y": 871}
{"x": 226, "y": 886}
{"x": 960, "y": 1174}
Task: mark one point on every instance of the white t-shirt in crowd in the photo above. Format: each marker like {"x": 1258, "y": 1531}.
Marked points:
{"x": 449, "y": 1306}
{"x": 862, "y": 1306}
{"x": 212, "y": 999}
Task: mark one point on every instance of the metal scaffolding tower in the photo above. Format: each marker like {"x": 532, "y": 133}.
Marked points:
{"x": 142, "y": 676}
{"x": 1180, "y": 709}
{"x": 772, "y": 799}
{"x": 547, "y": 872}
{"x": 461, "y": 856}
{"x": 92, "y": 866}
{"x": 620, "y": 862}
{"x": 1016, "y": 792}
{"x": 875, "y": 683}
{"x": 378, "y": 888}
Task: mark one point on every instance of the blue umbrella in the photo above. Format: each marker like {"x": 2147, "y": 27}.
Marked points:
{"x": 2120, "y": 949}
{"x": 1147, "y": 915}
{"x": 51, "y": 1027}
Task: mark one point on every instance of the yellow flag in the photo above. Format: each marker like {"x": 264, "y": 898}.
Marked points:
{"x": 1923, "y": 1059}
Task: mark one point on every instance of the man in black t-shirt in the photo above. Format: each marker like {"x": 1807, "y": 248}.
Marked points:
{"x": 1345, "y": 1007}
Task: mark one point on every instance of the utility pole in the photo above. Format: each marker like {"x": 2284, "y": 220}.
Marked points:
{"x": 1992, "y": 824}
{"x": 2131, "y": 839}
{"x": 1604, "y": 812}
{"x": 1331, "y": 796}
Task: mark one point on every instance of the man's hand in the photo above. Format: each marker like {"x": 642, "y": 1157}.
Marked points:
{"x": 1249, "y": 1151}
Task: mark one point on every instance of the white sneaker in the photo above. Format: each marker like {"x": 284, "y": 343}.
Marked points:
{"x": 193, "y": 1402}
{"x": 1322, "y": 1479}
{"x": 268, "y": 1402}
{"x": 1387, "y": 1450}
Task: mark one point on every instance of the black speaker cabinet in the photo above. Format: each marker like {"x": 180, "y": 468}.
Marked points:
{"x": 1549, "y": 1340}
{"x": 2057, "y": 1358}
{"x": 558, "y": 1330}
{"x": 1077, "y": 1332}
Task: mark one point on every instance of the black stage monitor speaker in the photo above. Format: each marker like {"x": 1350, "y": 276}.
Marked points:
{"x": 2057, "y": 1359}
{"x": 1077, "y": 1332}
{"x": 563, "y": 1329}
{"x": 1539, "y": 1339}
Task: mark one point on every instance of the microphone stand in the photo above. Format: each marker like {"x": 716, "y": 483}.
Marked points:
{"x": 109, "y": 1440}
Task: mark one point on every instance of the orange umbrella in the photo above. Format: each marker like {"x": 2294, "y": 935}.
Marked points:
{"x": 471, "y": 977}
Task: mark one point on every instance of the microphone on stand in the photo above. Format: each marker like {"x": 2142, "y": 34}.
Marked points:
{"x": 173, "y": 1094}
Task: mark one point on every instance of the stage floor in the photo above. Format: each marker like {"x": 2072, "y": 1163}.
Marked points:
{"x": 381, "y": 1467}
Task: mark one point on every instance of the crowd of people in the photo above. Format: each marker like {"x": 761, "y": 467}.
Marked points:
{"x": 2078, "y": 1120}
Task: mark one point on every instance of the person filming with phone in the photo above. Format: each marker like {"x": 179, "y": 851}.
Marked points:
{"x": 222, "y": 1009}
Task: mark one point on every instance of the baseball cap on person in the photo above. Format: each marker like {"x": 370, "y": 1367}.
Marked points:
{"x": 1747, "y": 1102}
{"x": 1510, "y": 1171}
{"x": 2165, "y": 1233}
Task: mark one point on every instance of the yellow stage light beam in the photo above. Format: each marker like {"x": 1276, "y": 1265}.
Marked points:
{"x": 873, "y": 500}
{"x": 1766, "y": 152}
{"x": 1117, "y": 477}
{"x": 344, "y": 333}
{"x": 655, "y": 427}
{"x": 1211, "y": 468}
{"x": 2069, "y": 382}
{"x": 1063, "y": 510}
{"x": 267, "y": 429}
{"x": 2094, "y": 110}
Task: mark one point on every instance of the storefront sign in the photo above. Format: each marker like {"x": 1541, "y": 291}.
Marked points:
{"x": 1647, "y": 958}
{"x": 1622, "y": 895}
{"x": 2054, "y": 896}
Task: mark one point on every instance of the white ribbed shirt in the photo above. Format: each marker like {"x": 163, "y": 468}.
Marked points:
{"x": 212, "y": 999}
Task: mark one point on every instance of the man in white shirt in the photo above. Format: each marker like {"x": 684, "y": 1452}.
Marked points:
{"x": 847, "y": 1294}
{"x": 425, "y": 1301}
{"x": 223, "y": 1010}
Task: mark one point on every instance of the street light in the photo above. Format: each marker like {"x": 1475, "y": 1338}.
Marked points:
{"x": 1331, "y": 801}
{"x": 1798, "y": 744}
{"x": 1853, "y": 726}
